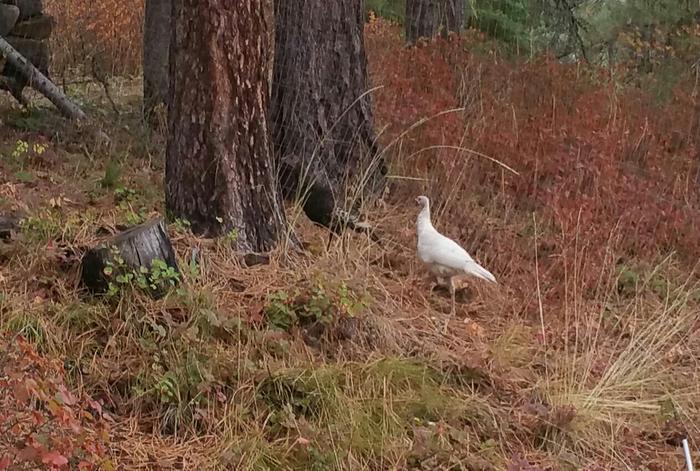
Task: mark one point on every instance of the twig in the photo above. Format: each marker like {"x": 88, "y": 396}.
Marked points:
{"x": 686, "y": 452}
{"x": 102, "y": 80}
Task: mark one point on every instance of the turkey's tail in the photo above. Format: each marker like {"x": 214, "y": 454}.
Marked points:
{"x": 474, "y": 269}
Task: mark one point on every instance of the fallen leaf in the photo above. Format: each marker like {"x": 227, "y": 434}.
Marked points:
{"x": 54, "y": 458}
{"x": 65, "y": 396}
{"x": 303, "y": 441}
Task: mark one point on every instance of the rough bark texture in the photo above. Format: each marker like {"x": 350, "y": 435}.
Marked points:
{"x": 156, "y": 44}
{"x": 428, "y": 18}
{"x": 219, "y": 170}
{"x": 321, "y": 113}
{"x": 139, "y": 246}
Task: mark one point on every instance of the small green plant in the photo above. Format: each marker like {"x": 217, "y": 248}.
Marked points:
{"x": 134, "y": 218}
{"x": 231, "y": 236}
{"x": 628, "y": 281}
{"x": 25, "y": 177}
{"x": 125, "y": 198}
{"x": 158, "y": 277}
{"x": 182, "y": 225}
{"x": 279, "y": 312}
{"x": 42, "y": 228}
{"x": 112, "y": 175}
{"x": 319, "y": 308}
{"x": 179, "y": 383}
{"x": 124, "y": 194}
{"x": 161, "y": 275}
{"x": 20, "y": 150}
{"x": 349, "y": 301}
{"x": 25, "y": 154}
{"x": 319, "y": 304}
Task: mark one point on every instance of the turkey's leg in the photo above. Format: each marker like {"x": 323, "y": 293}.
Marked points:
{"x": 453, "y": 306}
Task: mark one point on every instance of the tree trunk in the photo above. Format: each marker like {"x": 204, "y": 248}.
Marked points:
{"x": 428, "y": 18}
{"x": 321, "y": 112}
{"x": 156, "y": 44}
{"x": 219, "y": 171}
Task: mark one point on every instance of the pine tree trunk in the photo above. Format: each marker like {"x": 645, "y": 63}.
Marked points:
{"x": 219, "y": 171}
{"x": 428, "y": 18}
{"x": 321, "y": 112}
{"x": 156, "y": 44}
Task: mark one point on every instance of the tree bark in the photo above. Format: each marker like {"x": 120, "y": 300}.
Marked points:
{"x": 428, "y": 18}
{"x": 321, "y": 111}
{"x": 219, "y": 171}
{"x": 156, "y": 44}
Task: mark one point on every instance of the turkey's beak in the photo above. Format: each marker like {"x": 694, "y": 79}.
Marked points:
{"x": 417, "y": 201}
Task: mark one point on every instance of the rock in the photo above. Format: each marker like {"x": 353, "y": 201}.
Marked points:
{"x": 8, "y": 226}
{"x": 27, "y": 8}
{"x": 39, "y": 27}
{"x": 252, "y": 259}
{"x": 9, "y": 14}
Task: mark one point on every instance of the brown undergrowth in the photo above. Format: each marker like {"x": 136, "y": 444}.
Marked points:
{"x": 583, "y": 357}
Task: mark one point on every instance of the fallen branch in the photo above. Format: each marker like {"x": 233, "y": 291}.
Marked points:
{"x": 40, "y": 82}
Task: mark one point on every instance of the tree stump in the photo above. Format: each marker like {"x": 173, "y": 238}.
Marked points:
{"x": 138, "y": 248}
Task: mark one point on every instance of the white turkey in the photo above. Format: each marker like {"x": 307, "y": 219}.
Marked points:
{"x": 443, "y": 256}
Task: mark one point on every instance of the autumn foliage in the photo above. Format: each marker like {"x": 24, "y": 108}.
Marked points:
{"x": 557, "y": 177}
{"x": 104, "y": 35}
{"x": 43, "y": 424}
{"x": 598, "y": 162}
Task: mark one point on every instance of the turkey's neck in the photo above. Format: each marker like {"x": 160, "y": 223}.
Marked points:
{"x": 424, "y": 219}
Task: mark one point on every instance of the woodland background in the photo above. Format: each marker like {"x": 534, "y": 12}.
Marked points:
{"x": 585, "y": 357}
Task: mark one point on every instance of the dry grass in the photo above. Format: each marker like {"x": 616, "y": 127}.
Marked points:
{"x": 585, "y": 357}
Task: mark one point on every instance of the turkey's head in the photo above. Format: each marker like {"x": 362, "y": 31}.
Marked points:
{"x": 422, "y": 201}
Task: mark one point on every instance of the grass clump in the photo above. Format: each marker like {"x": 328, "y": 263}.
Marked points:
{"x": 365, "y": 411}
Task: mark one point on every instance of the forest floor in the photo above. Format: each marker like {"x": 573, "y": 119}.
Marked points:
{"x": 585, "y": 356}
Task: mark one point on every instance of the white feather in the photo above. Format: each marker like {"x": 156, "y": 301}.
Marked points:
{"x": 444, "y": 256}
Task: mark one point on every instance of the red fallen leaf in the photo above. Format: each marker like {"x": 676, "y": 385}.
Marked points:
{"x": 38, "y": 418}
{"x": 303, "y": 441}
{"x": 28, "y": 453}
{"x": 5, "y": 462}
{"x": 54, "y": 458}
{"x": 21, "y": 392}
{"x": 97, "y": 406}
{"x": 65, "y": 396}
